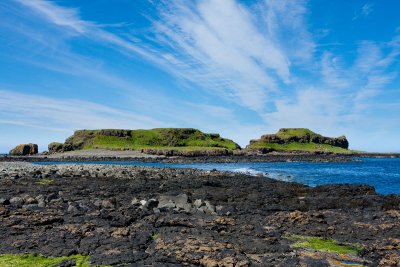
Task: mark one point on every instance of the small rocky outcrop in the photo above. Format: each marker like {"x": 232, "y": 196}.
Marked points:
{"x": 56, "y": 147}
{"x": 24, "y": 150}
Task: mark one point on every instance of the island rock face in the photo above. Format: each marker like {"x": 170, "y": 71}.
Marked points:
{"x": 24, "y": 149}
{"x": 155, "y": 141}
{"x": 301, "y": 139}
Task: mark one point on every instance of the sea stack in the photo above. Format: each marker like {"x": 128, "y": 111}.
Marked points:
{"x": 24, "y": 149}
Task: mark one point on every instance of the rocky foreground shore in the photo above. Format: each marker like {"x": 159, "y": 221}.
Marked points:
{"x": 139, "y": 216}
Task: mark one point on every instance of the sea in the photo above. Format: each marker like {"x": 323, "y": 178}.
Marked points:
{"x": 382, "y": 173}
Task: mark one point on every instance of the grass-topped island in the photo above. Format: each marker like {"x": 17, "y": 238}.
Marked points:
{"x": 300, "y": 140}
{"x": 179, "y": 145}
{"x": 162, "y": 141}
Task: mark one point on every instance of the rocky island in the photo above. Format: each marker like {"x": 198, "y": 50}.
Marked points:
{"x": 178, "y": 145}
{"x": 299, "y": 139}
{"x": 161, "y": 141}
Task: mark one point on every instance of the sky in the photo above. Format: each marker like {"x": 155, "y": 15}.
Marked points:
{"x": 238, "y": 68}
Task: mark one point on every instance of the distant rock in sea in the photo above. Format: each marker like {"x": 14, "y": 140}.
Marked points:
{"x": 24, "y": 149}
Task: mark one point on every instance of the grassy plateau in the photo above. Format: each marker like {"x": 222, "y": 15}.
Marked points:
{"x": 158, "y": 138}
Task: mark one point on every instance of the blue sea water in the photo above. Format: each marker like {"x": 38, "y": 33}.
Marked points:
{"x": 382, "y": 173}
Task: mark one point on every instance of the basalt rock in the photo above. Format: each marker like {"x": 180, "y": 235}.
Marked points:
{"x": 56, "y": 147}
{"x": 24, "y": 150}
{"x": 122, "y": 216}
{"x": 188, "y": 153}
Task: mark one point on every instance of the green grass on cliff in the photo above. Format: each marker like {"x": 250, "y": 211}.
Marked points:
{"x": 290, "y": 132}
{"x": 292, "y": 139}
{"x": 296, "y": 146}
{"x": 324, "y": 245}
{"x": 166, "y": 138}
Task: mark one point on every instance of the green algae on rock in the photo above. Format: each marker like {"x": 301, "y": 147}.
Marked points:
{"x": 324, "y": 245}
{"x": 45, "y": 182}
{"x": 26, "y": 260}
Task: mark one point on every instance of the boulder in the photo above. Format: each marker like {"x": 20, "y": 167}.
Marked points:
{"x": 180, "y": 202}
{"x": 24, "y": 150}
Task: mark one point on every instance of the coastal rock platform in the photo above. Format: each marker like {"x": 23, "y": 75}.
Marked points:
{"x": 141, "y": 216}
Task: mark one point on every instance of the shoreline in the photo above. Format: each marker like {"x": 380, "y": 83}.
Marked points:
{"x": 120, "y": 215}
{"x": 113, "y": 155}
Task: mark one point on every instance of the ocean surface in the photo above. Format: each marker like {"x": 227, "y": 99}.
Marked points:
{"x": 382, "y": 173}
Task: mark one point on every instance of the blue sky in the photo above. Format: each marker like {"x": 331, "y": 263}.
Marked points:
{"x": 239, "y": 68}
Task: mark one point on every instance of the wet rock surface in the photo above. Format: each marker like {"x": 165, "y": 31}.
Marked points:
{"x": 140, "y": 216}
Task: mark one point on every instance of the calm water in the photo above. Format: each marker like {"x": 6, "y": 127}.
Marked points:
{"x": 383, "y": 174}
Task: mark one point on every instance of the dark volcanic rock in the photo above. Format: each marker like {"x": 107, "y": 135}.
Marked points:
{"x": 56, "y": 147}
{"x": 24, "y": 149}
{"x": 138, "y": 216}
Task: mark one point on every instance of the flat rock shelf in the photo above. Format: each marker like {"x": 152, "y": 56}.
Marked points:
{"x": 142, "y": 216}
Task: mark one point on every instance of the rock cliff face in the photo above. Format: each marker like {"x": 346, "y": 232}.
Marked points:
{"x": 159, "y": 138}
{"x": 24, "y": 149}
{"x": 301, "y": 136}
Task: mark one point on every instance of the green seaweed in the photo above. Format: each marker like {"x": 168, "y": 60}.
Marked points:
{"x": 324, "y": 245}
{"x": 27, "y": 260}
{"x": 45, "y": 182}
{"x": 155, "y": 236}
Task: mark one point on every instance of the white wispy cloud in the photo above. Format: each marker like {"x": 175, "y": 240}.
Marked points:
{"x": 367, "y": 9}
{"x": 65, "y": 114}
{"x": 234, "y": 50}
{"x": 73, "y": 25}
{"x": 364, "y": 12}
{"x": 66, "y": 17}
{"x": 311, "y": 108}
{"x": 225, "y": 47}
{"x": 346, "y": 94}
{"x": 287, "y": 25}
